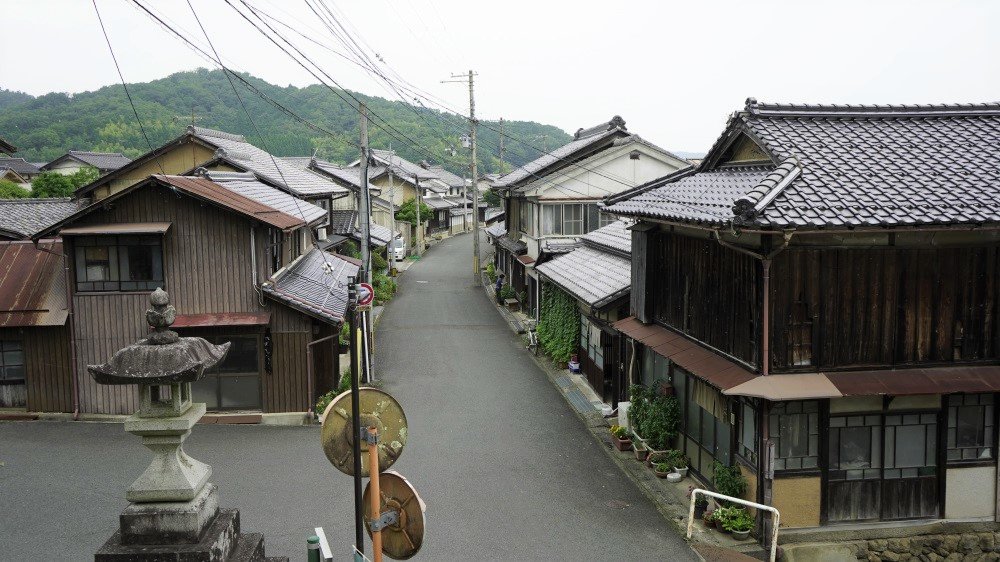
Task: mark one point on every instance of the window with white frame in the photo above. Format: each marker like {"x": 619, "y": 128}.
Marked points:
{"x": 562, "y": 218}
{"x": 526, "y": 218}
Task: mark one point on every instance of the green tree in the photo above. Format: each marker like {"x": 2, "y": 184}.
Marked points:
{"x": 52, "y": 184}
{"x": 83, "y": 176}
{"x": 10, "y": 190}
{"x": 408, "y": 212}
{"x": 491, "y": 198}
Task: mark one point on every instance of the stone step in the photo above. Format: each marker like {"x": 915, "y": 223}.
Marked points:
{"x": 216, "y": 545}
{"x": 249, "y": 548}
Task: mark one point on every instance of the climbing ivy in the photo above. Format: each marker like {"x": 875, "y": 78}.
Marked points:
{"x": 559, "y": 323}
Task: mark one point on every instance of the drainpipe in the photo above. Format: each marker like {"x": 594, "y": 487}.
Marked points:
{"x": 765, "y": 259}
{"x": 309, "y": 374}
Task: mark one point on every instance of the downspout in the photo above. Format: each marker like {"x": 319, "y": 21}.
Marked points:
{"x": 765, "y": 260}
{"x": 310, "y": 412}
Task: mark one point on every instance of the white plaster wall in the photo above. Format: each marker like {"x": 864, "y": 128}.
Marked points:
{"x": 971, "y": 492}
{"x": 67, "y": 168}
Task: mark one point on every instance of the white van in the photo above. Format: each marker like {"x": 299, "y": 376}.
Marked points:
{"x": 398, "y": 247}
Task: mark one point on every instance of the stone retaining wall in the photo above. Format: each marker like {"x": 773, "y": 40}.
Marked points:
{"x": 968, "y": 547}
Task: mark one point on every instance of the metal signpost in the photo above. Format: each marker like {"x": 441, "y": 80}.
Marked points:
{"x": 390, "y": 509}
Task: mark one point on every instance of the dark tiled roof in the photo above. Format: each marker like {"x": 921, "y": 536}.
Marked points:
{"x": 583, "y": 140}
{"x": 447, "y": 177}
{"x": 513, "y": 246}
{"x": 841, "y": 167}
{"x": 437, "y": 203}
{"x": 32, "y": 284}
{"x": 103, "y": 161}
{"x": 344, "y": 222}
{"x": 6, "y": 147}
{"x": 315, "y": 284}
{"x": 24, "y": 217}
{"x": 615, "y": 236}
{"x": 594, "y": 276}
{"x": 19, "y": 165}
{"x": 401, "y": 167}
{"x": 497, "y": 229}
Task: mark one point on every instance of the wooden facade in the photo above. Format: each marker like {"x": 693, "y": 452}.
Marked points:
{"x": 850, "y": 308}
{"x": 207, "y": 263}
{"x": 47, "y": 384}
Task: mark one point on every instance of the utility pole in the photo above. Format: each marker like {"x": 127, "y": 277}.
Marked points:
{"x": 503, "y": 150}
{"x": 364, "y": 212}
{"x": 392, "y": 216}
{"x": 475, "y": 176}
{"x": 420, "y": 231}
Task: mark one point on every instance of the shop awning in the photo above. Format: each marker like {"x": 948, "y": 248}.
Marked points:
{"x": 118, "y": 228}
{"x": 807, "y": 386}
{"x": 222, "y": 319}
{"x": 714, "y": 369}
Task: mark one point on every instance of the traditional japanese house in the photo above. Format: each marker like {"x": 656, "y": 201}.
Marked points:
{"x": 76, "y": 160}
{"x": 823, "y": 294}
{"x": 598, "y": 275}
{"x": 236, "y": 256}
{"x": 552, "y": 201}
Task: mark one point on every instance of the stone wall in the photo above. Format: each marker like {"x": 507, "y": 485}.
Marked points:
{"x": 968, "y": 547}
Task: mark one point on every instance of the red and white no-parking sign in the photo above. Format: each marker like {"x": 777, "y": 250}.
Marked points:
{"x": 366, "y": 294}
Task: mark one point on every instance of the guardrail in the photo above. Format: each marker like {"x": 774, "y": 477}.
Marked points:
{"x": 777, "y": 516}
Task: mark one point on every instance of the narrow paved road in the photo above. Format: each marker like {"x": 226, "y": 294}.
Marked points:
{"x": 507, "y": 469}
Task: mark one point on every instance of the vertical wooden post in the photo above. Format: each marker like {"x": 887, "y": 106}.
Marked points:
{"x": 376, "y": 494}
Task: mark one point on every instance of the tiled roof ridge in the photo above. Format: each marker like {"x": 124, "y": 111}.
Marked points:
{"x": 233, "y": 154}
{"x": 94, "y": 153}
{"x": 36, "y": 200}
{"x": 221, "y": 176}
{"x": 761, "y": 109}
{"x": 615, "y": 122}
{"x": 206, "y": 132}
{"x": 749, "y": 206}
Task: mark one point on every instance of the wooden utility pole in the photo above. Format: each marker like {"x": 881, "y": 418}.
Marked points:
{"x": 475, "y": 175}
{"x": 364, "y": 211}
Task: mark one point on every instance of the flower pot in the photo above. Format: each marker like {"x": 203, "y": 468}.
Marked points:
{"x": 640, "y": 451}
{"x": 709, "y": 523}
{"x": 663, "y": 474}
{"x": 622, "y": 444}
{"x": 674, "y": 477}
{"x": 654, "y": 456}
{"x": 682, "y": 470}
{"x": 741, "y": 535}
{"x": 699, "y": 511}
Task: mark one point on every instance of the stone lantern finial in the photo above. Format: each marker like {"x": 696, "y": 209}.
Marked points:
{"x": 160, "y": 316}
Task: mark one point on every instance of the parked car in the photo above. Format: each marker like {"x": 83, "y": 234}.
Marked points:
{"x": 398, "y": 247}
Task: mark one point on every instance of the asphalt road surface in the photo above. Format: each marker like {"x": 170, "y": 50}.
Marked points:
{"x": 507, "y": 470}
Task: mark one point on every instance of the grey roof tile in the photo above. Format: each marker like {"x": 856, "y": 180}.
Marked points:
{"x": 615, "y": 236}
{"x": 19, "y": 165}
{"x": 24, "y": 217}
{"x": 247, "y": 185}
{"x": 103, "y": 161}
{"x": 589, "y": 274}
{"x": 315, "y": 284}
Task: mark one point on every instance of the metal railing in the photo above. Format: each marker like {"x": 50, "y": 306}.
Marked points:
{"x": 777, "y": 516}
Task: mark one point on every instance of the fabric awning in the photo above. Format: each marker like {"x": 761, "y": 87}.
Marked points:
{"x": 806, "y": 386}
{"x": 119, "y": 228}
{"x": 714, "y": 369}
{"x": 222, "y": 319}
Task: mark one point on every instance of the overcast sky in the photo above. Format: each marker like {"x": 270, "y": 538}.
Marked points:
{"x": 673, "y": 70}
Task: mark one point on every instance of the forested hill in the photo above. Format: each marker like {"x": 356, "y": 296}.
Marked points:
{"x": 47, "y": 126}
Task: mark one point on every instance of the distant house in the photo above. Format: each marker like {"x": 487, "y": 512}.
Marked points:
{"x": 552, "y": 201}
{"x": 7, "y": 148}
{"x": 24, "y": 169}
{"x": 598, "y": 274}
{"x": 74, "y": 160}
{"x": 234, "y": 254}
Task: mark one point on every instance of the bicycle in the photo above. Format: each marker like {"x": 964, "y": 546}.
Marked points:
{"x": 532, "y": 338}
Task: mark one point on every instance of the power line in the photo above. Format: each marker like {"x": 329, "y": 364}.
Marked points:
{"x": 124, "y": 85}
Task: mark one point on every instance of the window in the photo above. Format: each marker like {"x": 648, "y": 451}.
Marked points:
{"x": 296, "y": 244}
{"x": 118, "y": 263}
{"x": 275, "y": 245}
{"x": 605, "y": 219}
{"x": 747, "y": 445}
{"x": 855, "y": 447}
{"x": 597, "y": 218}
{"x": 526, "y": 218}
{"x": 234, "y": 383}
{"x": 562, "y": 218}
{"x": 970, "y": 427}
{"x": 794, "y": 428}
{"x": 11, "y": 362}
{"x": 705, "y": 414}
{"x": 590, "y": 341}
{"x": 910, "y": 445}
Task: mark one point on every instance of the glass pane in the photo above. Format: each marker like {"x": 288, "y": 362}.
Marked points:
{"x": 240, "y": 392}
{"x": 748, "y": 428}
{"x": 794, "y": 435}
{"x": 708, "y": 430}
{"x": 910, "y": 446}
{"x": 722, "y": 441}
{"x": 242, "y": 356}
{"x": 13, "y": 358}
{"x": 694, "y": 421}
{"x": 855, "y": 448}
{"x": 14, "y": 373}
{"x": 968, "y": 426}
{"x": 206, "y": 390}
{"x": 593, "y": 221}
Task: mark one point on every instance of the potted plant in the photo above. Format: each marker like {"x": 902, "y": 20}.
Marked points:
{"x": 620, "y": 437}
{"x": 708, "y": 518}
{"x": 739, "y": 523}
{"x": 700, "y": 505}
{"x": 638, "y": 412}
{"x": 678, "y": 461}
{"x": 660, "y": 425}
{"x": 662, "y": 469}
{"x": 640, "y": 450}
{"x": 722, "y": 516}
{"x": 729, "y": 480}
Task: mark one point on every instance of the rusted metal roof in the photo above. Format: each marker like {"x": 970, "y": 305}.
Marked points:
{"x": 526, "y": 260}
{"x": 905, "y": 382}
{"x": 119, "y": 228}
{"x": 32, "y": 284}
{"x": 208, "y": 190}
{"x": 222, "y": 319}
{"x": 716, "y": 370}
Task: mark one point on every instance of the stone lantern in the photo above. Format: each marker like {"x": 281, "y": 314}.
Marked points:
{"x": 173, "y": 510}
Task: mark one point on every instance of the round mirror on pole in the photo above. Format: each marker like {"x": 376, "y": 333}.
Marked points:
{"x": 403, "y": 536}
{"x": 378, "y": 410}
